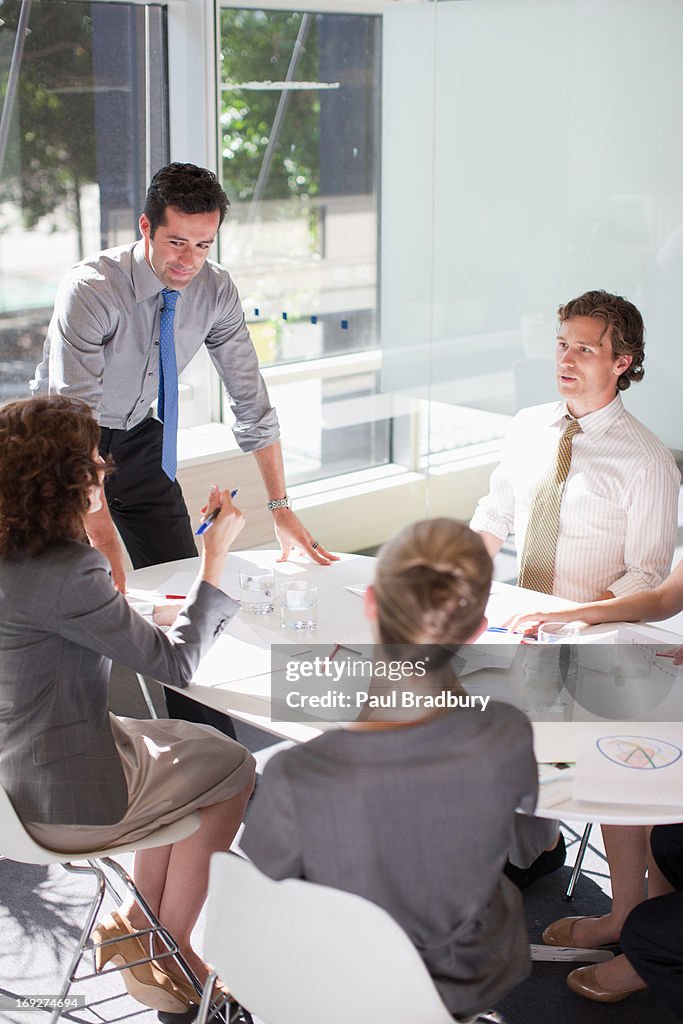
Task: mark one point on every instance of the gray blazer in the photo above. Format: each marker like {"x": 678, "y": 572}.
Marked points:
{"x": 417, "y": 820}
{"x": 61, "y": 624}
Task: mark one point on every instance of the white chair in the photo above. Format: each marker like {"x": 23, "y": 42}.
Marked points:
{"x": 16, "y": 844}
{"x": 294, "y": 952}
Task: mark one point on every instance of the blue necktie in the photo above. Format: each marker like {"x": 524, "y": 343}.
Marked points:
{"x": 167, "y": 406}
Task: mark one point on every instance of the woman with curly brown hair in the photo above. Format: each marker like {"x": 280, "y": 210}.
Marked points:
{"x": 79, "y": 777}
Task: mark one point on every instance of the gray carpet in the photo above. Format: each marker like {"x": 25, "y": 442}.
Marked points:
{"x": 41, "y": 911}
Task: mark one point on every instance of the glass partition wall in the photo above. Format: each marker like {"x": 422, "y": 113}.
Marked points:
{"x": 530, "y": 152}
{"x": 299, "y": 123}
{"x": 415, "y": 188}
{"x": 522, "y": 153}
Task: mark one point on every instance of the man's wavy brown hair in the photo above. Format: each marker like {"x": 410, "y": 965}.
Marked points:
{"x": 46, "y": 472}
{"x": 626, "y": 323}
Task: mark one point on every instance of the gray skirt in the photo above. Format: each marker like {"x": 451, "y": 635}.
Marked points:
{"x": 172, "y": 768}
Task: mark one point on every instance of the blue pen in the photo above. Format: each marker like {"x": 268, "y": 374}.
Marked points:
{"x": 497, "y": 629}
{"x": 210, "y": 520}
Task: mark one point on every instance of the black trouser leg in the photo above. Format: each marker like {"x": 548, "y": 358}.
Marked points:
{"x": 150, "y": 514}
{"x": 652, "y": 936}
{"x": 149, "y": 509}
{"x": 652, "y": 939}
{"x": 666, "y": 842}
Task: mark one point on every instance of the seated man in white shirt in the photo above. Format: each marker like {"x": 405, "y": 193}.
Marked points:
{"x": 618, "y": 505}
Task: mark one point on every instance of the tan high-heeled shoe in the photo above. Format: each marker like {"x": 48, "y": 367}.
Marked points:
{"x": 145, "y": 982}
{"x": 189, "y": 991}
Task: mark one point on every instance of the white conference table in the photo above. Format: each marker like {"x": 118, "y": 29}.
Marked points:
{"x": 234, "y": 677}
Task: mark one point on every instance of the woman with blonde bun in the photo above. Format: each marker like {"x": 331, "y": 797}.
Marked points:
{"x": 415, "y": 811}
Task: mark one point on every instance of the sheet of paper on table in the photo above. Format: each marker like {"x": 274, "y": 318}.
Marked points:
{"x": 179, "y": 583}
{"x": 491, "y": 650}
{"x": 644, "y": 643}
{"x": 551, "y": 773}
{"x": 630, "y": 762}
{"x": 238, "y": 655}
{"x": 143, "y": 601}
{"x": 361, "y": 642}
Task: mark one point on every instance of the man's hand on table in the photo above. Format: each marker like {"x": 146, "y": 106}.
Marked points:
{"x": 291, "y": 533}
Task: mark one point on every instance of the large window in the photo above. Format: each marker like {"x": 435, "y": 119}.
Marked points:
{"x": 76, "y": 149}
{"x": 299, "y": 143}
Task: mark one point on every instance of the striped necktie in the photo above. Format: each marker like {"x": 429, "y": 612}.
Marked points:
{"x": 537, "y": 564}
{"x": 167, "y": 406}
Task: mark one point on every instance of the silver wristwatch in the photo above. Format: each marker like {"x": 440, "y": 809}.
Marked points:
{"x": 279, "y": 503}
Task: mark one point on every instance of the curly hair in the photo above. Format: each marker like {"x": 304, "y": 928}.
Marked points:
{"x": 46, "y": 471}
{"x": 186, "y": 187}
{"x": 628, "y": 331}
{"x": 431, "y": 587}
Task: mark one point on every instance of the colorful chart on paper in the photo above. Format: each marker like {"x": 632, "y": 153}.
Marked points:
{"x": 642, "y": 753}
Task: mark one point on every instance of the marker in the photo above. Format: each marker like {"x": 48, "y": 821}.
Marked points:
{"x": 175, "y": 597}
{"x": 210, "y": 520}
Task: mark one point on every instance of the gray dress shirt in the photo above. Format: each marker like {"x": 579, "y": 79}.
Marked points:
{"x": 417, "y": 820}
{"x": 61, "y": 624}
{"x": 103, "y": 342}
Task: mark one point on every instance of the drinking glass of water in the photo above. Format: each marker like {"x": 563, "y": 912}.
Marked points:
{"x": 299, "y": 605}
{"x": 257, "y": 590}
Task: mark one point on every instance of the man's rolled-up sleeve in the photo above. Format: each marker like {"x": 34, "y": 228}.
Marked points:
{"x": 495, "y": 513}
{"x": 73, "y": 357}
{"x": 233, "y": 354}
{"x": 651, "y": 528}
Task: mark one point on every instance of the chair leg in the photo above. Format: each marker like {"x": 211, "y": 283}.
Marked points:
{"x": 230, "y": 1012}
{"x": 202, "y": 1013}
{"x": 569, "y": 894}
{"x": 237, "y": 1014}
{"x": 85, "y": 944}
{"x": 84, "y": 937}
{"x": 144, "y": 690}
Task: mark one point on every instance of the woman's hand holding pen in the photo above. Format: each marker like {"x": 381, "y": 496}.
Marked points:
{"x": 226, "y": 523}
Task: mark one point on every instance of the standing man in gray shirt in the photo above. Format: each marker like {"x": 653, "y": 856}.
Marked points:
{"x": 103, "y": 346}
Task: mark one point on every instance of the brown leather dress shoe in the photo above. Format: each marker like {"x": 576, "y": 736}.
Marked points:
{"x": 584, "y": 983}
{"x": 559, "y": 933}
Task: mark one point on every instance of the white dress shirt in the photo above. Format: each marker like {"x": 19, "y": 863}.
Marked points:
{"x": 618, "y": 519}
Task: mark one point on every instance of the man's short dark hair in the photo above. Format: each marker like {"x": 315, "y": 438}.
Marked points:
{"x": 628, "y": 332}
{"x": 186, "y": 187}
